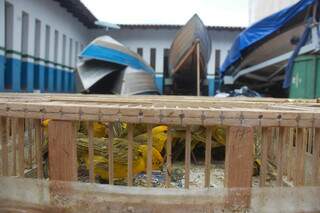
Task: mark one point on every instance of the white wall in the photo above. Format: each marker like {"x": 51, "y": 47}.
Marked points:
{"x": 49, "y": 13}
{"x": 259, "y": 9}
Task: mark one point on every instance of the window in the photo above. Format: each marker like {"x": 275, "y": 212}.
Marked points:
{"x": 37, "y": 38}
{"x": 37, "y": 44}
{"x": 25, "y": 33}
{"x": 166, "y": 73}
{"x": 8, "y": 26}
{"x": 153, "y": 53}
{"x": 56, "y": 45}
{"x": 217, "y": 60}
{"x": 76, "y": 53}
{"x": 47, "y": 52}
{"x": 24, "y": 48}
{"x": 140, "y": 52}
{"x": 8, "y": 41}
{"x": 71, "y": 52}
{"x": 64, "y": 44}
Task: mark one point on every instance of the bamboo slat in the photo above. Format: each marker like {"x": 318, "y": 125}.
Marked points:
{"x": 21, "y": 147}
{"x": 4, "y": 146}
{"x": 169, "y": 157}
{"x": 187, "y": 157}
{"x": 91, "y": 153}
{"x": 38, "y": 144}
{"x": 208, "y": 157}
{"x": 316, "y": 158}
{"x": 149, "y": 155}
{"x": 14, "y": 146}
{"x": 266, "y": 141}
{"x": 29, "y": 123}
{"x": 130, "y": 154}
{"x": 110, "y": 153}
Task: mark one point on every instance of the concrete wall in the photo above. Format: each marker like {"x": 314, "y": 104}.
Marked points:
{"x": 30, "y": 63}
{"x": 259, "y": 9}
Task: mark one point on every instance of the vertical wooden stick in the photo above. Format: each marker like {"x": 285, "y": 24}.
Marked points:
{"x": 149, "y": 155}
{"x": 316, "y": 157}
{"x": 38, "y": 141}
{"x": 290, "y": 154}
{"x": 266, "y": 141}
{"x": 14, "y": 146}
{"x": 21, "y": 147}
{"x": 281, "y": 140}
{"x": 30, "y": 141}
{"x": 187, "y": 157}
{"x": 110, "y": 153}
{"x": 208, "y": 157}
{"x": 169, "y": 157}
{"x": 198, "y": 70}
{"x": 62, "y": 151}
{"x": 4, "y": 146}
{"x": 91, "y": 152}
{"x": 300, "y": 159}
{"x": 130, "y": 154}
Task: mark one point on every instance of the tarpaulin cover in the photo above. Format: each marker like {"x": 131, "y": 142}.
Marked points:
{"x": 261, "y": 30}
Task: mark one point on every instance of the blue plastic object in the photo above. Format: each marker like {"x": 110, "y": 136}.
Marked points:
{"x": 261, "y": 30}
{"x": 94, "y": 51}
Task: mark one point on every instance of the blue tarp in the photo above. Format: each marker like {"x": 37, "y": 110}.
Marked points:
{"x": 262, "y": 30}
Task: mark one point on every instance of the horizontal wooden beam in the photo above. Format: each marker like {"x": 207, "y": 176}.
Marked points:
{"x": 187, "y": 111}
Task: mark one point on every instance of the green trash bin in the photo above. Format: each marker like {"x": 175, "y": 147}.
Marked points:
{"x": 306, "y": 77}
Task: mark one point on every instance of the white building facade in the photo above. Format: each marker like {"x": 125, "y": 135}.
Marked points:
{"x": 259, "y": 9}
{"x": 40, "y": 41}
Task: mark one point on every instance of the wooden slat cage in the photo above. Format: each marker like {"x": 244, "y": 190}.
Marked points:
{"x": 286, "y": 132}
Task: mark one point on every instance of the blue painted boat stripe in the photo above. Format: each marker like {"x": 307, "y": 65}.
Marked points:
{"x": 111, "y": 55}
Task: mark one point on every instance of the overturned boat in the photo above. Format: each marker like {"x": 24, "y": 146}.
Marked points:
{"x": 107, "y": 65}
{"x": 260, "y": 55}
{"x": 189, "y": 56}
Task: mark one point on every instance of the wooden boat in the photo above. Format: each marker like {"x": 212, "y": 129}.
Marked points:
{"x": 189, "y": 55}
{"x": 104, "y": 61}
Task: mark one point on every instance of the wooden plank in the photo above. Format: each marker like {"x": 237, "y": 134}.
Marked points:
{"x": 187, "y": 157}
{"x": 62, "y": 151}
{"x": 91, "y": 152}
{"x": 38, "y": 144}
{"x": 266, "y": 141}
{"x": 14, "y": 146}
{"x": 198, "y": 70}
{"x": 300, "y": 159}
{"x": 239, "y": 165}
{"x": 316, "y": 158}
{"x": 110, "y": 153}
{"x": 169, "y": 157}
{"x": 280, "y": 154}
{"x": 29, "y": 123}
{"x": 149, "y": 155}
{"x": 21, "y": 147}
{"x": 4, "y": 146}
{"x": 186, "y": 56}
{"x": 208, "y": 157}
{"x": 239, "y": 157}
{"x": 130, "y": 154}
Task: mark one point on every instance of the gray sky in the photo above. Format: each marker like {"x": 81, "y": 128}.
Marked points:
{"x": 212, "y": 12}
